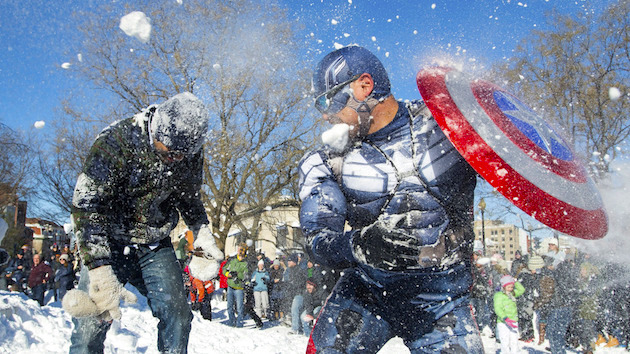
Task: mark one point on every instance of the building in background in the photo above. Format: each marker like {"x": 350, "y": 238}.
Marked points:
{"x": 501, "y": 238}
{"x": 278, "y": 233}
{"x": 46, "y": 233}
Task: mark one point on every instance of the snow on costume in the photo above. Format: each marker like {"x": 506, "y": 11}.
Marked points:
{"x": 140, "y": 175}
{"x": 408, "y": 196}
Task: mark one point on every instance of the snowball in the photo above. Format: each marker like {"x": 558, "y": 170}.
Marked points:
{"x": 136, "y": 24}
{"x": 432, "y": 6}
{"x": 39, "y": 124}
{"x": 80, "y": 57}
{"x": 336, "y": 137}
{"x": 333, "y": 21}
{"x": 614, "y": 93}
{"x": 65, "y": 65}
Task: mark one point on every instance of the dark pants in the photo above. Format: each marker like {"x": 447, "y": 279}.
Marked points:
{"x": 38, "y": 293}
{"x": 156, "y": 274}
{"x": 557, "y": 324}
{"x": 430, "y": 311}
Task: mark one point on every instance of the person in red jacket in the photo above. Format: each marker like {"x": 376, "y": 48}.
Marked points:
{"x": 223, "y": 279}
{"x": 41, "y": 273}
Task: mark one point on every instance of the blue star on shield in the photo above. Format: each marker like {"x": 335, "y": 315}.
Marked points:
{"x": 532, "y": 126}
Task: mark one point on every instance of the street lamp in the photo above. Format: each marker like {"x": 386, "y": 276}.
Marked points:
{"x": 482, "y": 207}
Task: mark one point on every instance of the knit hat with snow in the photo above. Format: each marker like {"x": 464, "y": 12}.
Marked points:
{"x": 180, "y": 123}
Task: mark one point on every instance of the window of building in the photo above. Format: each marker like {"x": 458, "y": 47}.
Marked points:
{"x": 282, "y": 231}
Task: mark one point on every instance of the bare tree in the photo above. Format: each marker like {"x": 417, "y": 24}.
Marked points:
{"x": 568, "y": 72}
{"x": 15, "y": 166}
{"x": 241, "y": 57}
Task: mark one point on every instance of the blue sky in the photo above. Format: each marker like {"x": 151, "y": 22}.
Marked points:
{"x": 405, "y": 34}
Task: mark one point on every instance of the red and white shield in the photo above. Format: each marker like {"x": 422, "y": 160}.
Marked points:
{"x": 515, "y": 151}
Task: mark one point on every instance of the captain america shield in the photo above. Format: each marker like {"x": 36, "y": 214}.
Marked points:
{"x": 515, "y": 150}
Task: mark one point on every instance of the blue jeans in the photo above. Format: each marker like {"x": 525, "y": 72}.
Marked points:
{"x": 235, "y": 295}
{"x": 157, "y": 275}
{"x": 296, "y": 310}
{"x": 307, "y": 325}
{"x": 557, "y": 324}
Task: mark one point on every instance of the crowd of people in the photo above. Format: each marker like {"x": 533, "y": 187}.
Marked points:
{"x": 289, "y": 290}
{"x": 36, "y": 273}
{"x": 558, "y": 299}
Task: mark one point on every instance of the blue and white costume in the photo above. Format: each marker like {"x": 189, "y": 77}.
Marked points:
{"x": 407, "y": 182}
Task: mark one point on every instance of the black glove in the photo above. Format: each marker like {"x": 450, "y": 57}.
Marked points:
{"x": 384, "y": 248}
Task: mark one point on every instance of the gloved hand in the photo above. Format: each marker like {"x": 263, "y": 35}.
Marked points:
{"x": 511, "y": 323}
{"x": 106, "y": 291}
{"x": 206, "y": 259}
{"x": 103, "y": 296}
{"x": 384, "y": 248}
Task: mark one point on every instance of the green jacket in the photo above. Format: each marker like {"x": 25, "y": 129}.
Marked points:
{"x": 504, "y": 306}
{"x": 126, "y": 194}
{"x": 239, "y": 267}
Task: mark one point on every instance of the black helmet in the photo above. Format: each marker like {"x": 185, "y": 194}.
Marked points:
{"x": 345, "y": 65}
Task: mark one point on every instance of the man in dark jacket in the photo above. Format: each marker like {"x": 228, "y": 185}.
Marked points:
{"x": 294, "y": 280}
{"x": 140, "y": 175}
{"x": 17, "y": 270}
{"x": 565, "y": 300}
{"x": 41, "y": 274}
{"x": 313, "y": 300}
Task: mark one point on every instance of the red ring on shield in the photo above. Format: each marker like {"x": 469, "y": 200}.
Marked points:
{"x": 552, "y": 187}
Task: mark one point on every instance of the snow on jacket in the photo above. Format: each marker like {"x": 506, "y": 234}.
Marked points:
{"x": 260, "y": 279}
{"x": 128, "y": 195}
{"x": 381, "y": 179}
{"x": 505, "y": 306}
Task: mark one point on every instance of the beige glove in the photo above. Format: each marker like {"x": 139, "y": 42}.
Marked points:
{"x": 103, "y": 296}
{"x": 206, "y": 259}
{"x": 106, "y": 291}
{"x": 78, "y": 304}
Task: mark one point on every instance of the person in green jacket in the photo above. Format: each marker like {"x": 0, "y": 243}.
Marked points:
{"x": 507, "y": 313}
{"x": 236, "y": 272}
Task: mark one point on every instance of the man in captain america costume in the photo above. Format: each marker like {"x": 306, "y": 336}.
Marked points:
{"x": 407, "y": 195}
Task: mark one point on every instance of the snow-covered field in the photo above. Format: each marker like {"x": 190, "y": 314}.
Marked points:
{"x": 27, "y": 328}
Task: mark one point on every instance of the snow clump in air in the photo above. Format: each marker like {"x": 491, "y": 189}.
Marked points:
{"x": 39, "y": 124}
{"x": 337, "y": 137}
{"x": 614, "y": 93}
{"x": 136, "y": 24}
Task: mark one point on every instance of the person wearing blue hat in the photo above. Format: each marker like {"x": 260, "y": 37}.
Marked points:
{"x": 388, "y": 171}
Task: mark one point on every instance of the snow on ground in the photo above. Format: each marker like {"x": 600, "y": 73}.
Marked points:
{"x": 27, "y": 328}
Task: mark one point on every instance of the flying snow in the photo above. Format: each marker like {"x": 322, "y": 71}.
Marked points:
{"x": 136, "y": 24}
{"x": 614, "y": 93}
{"x": 336, "y": 137}
{"x": 39, "y": 124}
{"x": 66, "y": 65}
